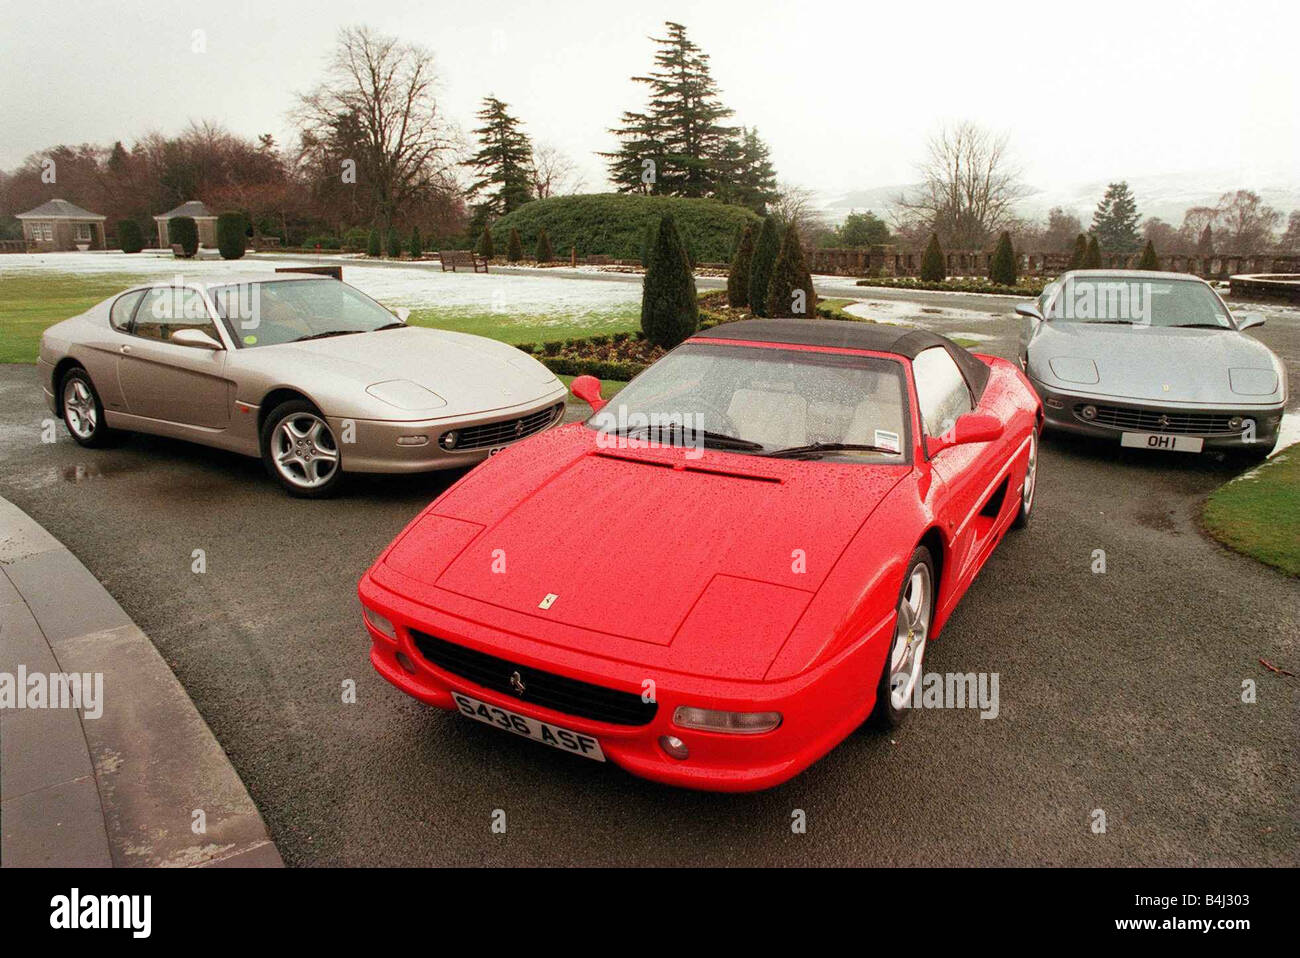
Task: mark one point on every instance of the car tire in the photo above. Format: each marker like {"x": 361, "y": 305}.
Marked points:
{"x": 906, "y": 656}
{"x": 83, "y": 413}
{"x": 1029, "y": 487}
{"x": 300, "y": 452}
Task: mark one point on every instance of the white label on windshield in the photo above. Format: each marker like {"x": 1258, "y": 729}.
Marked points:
{"x": 887, "y": 440}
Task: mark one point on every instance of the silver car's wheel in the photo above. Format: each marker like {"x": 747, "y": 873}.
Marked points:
{"x": 79, "y": 410}
{"x": 304, "y": 451}
{"x": 910, "y": 635}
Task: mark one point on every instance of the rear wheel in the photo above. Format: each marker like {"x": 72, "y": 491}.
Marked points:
{"x": 903, "y": 665}
{"x": 1030, "y": 485}
{"x": 83, "y": 413}
{"x": 299, "y": 450}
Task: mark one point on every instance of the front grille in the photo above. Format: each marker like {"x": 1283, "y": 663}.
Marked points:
{"x": 540, "y": 688}
{"x": 1153, "y": 420}
{"x": 508, "y": 430}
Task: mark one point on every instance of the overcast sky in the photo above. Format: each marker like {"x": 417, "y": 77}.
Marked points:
{"x": 844, "y": 93}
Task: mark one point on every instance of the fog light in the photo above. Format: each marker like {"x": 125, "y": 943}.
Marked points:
{"x": 1088, "y": 412}
{"x": 412, "y": 440}
{"x": 448, "y": 440}
{"x": 380, "y": 623}
{"x": 674, "y": 746}
{"x": 736, "y": 723}
{"x": 1051, "y": 402}
{"x": 1235, "y": 422}
{"x": 405, "y": 662}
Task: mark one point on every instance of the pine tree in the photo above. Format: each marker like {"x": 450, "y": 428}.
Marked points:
{"x": 1080, "y": 254}
{"x": 1149, "y": 259}
{"x": 544, "y": 253}
{"x": 766, "y": 251}
{"x": 747, "y": 175}
{"x": 514, "y": 246}
{"x": 503, "y": 162}
{"x": 1092, "y": 259}
{"x": 415, "y": 247}
{"x": 372, "y": 244}
{"x": 790, "y": 292}
{"x": 738, "y": 276}
{"x": 669, "y": 307}
{"x": 394, "y": 244}
{"x": 680, "y": 132}
{"x": 1002, "y": 267}
{"x": 933, "y": 267}
{"x": 1114, "y": 223}
{"x": 485, "y": 247}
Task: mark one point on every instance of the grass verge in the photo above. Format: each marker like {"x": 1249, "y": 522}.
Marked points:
{"x": 1258, "y": 513}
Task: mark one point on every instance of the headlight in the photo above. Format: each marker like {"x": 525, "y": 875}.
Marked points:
{"x": 735, "y": 723}
{"x": 380, "y": 623}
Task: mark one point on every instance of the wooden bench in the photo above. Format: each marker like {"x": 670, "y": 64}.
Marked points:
{"x": 462, "y": 257}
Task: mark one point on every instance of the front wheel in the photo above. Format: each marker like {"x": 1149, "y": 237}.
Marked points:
{"x": 299, "y": 450}
{"x": 83, "y": 413}
{"x": 902, "y": 669}
{"x": 1030, "y": 485}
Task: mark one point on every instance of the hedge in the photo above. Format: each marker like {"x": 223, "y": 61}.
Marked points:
{"x": 183, "y": 231}
{"x": 130, "y": 236}
{"x": 231, "y": 235}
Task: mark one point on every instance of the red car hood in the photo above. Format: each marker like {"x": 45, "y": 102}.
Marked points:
{"x": 648, "y": 544}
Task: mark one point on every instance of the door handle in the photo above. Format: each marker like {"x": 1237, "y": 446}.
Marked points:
{"x": 125, "y": 349}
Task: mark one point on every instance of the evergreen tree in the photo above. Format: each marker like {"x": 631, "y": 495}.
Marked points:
{"x": 747, "y": 175}
{"x": 372, "y": 244}
{"x": 130, "y": 236}
{"x": 790, "y": 291}
{"x": 394, "y": 244}
{"x": 669, "y": 307}
{"x": 933, "y": 267}
{"x": 1114, "y": 223}
{"x": 766, "y": 251}
{"x": 544, "y": 254}
{"x": 1149, "y": 259}
{"x": 1002, "y": 267}
{"x": 232, "y": 229}
{"x": 416, "y": 248}
{"x": 1205, "y": 245}
{"x": 738, "y": 276}
{"x": 1092, "y": 259}
{"x": 485, "y": 247}
{"x": 514, "y": 246}
{"x": 503, "y": 163}
{"x": 183, "y": 231}
{"x": 1080, "y": 254}
{"x": 680, "y": 132}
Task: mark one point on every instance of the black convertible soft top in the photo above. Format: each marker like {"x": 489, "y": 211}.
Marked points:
{"x": 844, "y": 334}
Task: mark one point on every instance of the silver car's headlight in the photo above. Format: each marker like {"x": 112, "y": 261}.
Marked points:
{"x": 1074, "y": 369}
{"x": 405, "y": 394}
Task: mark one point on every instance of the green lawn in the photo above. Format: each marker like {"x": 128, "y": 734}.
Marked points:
{"x": 28, "y": 304}
{"x": 530, "y": 328}
{"x": 1258, "y": 513}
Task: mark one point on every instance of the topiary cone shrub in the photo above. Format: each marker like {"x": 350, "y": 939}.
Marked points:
{"x": 183, "y": 231}
{"x": 669, "y": 307}
{"x": 394, "y": 244}
{"x": 372, "y": 244}
{"x": 544, "y": 253}
{"x": 1092, "y": 259}
{"x": 738, "y": 276}
{"x": 933, "y": 267}
{"x": 416, "y": 247}
{"x": 485, "y": 247}
{"x": 514, "y": 247}
{"x": 1002, "y": 267}
{"x": 1149, "y": 259}
{"x": 231, "y": 235}
{"x": 129, "y": 236}
{"x": 790, "y": 293}
{"x": 760, "y": 266}
{"x": 1080, "y": 252}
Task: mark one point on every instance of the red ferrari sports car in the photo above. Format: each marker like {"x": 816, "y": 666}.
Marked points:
{"x": 716, "y": 578}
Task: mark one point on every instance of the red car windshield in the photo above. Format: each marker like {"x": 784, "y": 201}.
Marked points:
{"x": 770, "y": 400}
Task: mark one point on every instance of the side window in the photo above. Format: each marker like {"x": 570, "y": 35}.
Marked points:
{"x": 120, "y": 315}
{"x": 941, "y": 390}
{"x": 168, "y": 308}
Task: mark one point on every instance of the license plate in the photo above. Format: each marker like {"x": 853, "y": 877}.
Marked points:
{"x": 552, "y": 735}
{"x": 1151, "y": 440}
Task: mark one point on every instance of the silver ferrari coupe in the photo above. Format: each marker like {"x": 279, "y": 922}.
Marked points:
{"x": 1152, "y": 360}
{"x": 304, "y": 371}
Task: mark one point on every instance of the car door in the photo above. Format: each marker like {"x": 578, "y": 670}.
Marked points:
{"x": 167, "y": 381}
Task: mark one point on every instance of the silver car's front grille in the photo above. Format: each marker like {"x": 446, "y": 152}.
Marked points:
{"x": 1161, "y": 421}
{"x": 493, "y": 434}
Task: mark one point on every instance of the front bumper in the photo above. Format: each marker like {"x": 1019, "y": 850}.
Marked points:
{"x": 1061, "y": 410}
{"x": 819, "y": 707}
{"x": 383, "y": 446}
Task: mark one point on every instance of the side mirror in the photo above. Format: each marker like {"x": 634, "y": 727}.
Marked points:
{"x": 969, "y": 428}
{"x": 1249, "y": 320}
{"x": 196, "y": 338}
{"x": 1030, "y": 310}
{"x": 587, "y": 388}
{"x": 403, "y": 313}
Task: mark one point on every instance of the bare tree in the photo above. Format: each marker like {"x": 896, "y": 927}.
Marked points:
{"x": 795, "y": 204}
{"x": 969, "y": 187}
{"x": 1246, "y": 222}
{"x": 381, "y": 90}
{"x": 554, "y": 173}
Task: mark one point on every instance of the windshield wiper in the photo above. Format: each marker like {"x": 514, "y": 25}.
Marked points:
{"x": 389, "y": 326}
{"x": 818, "y": 448}
{"x": 708, "y": 436}
{"x": 327, "y": 333}
{"x": 1111, "y": 322}
{"x": 1196, "y": 326}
